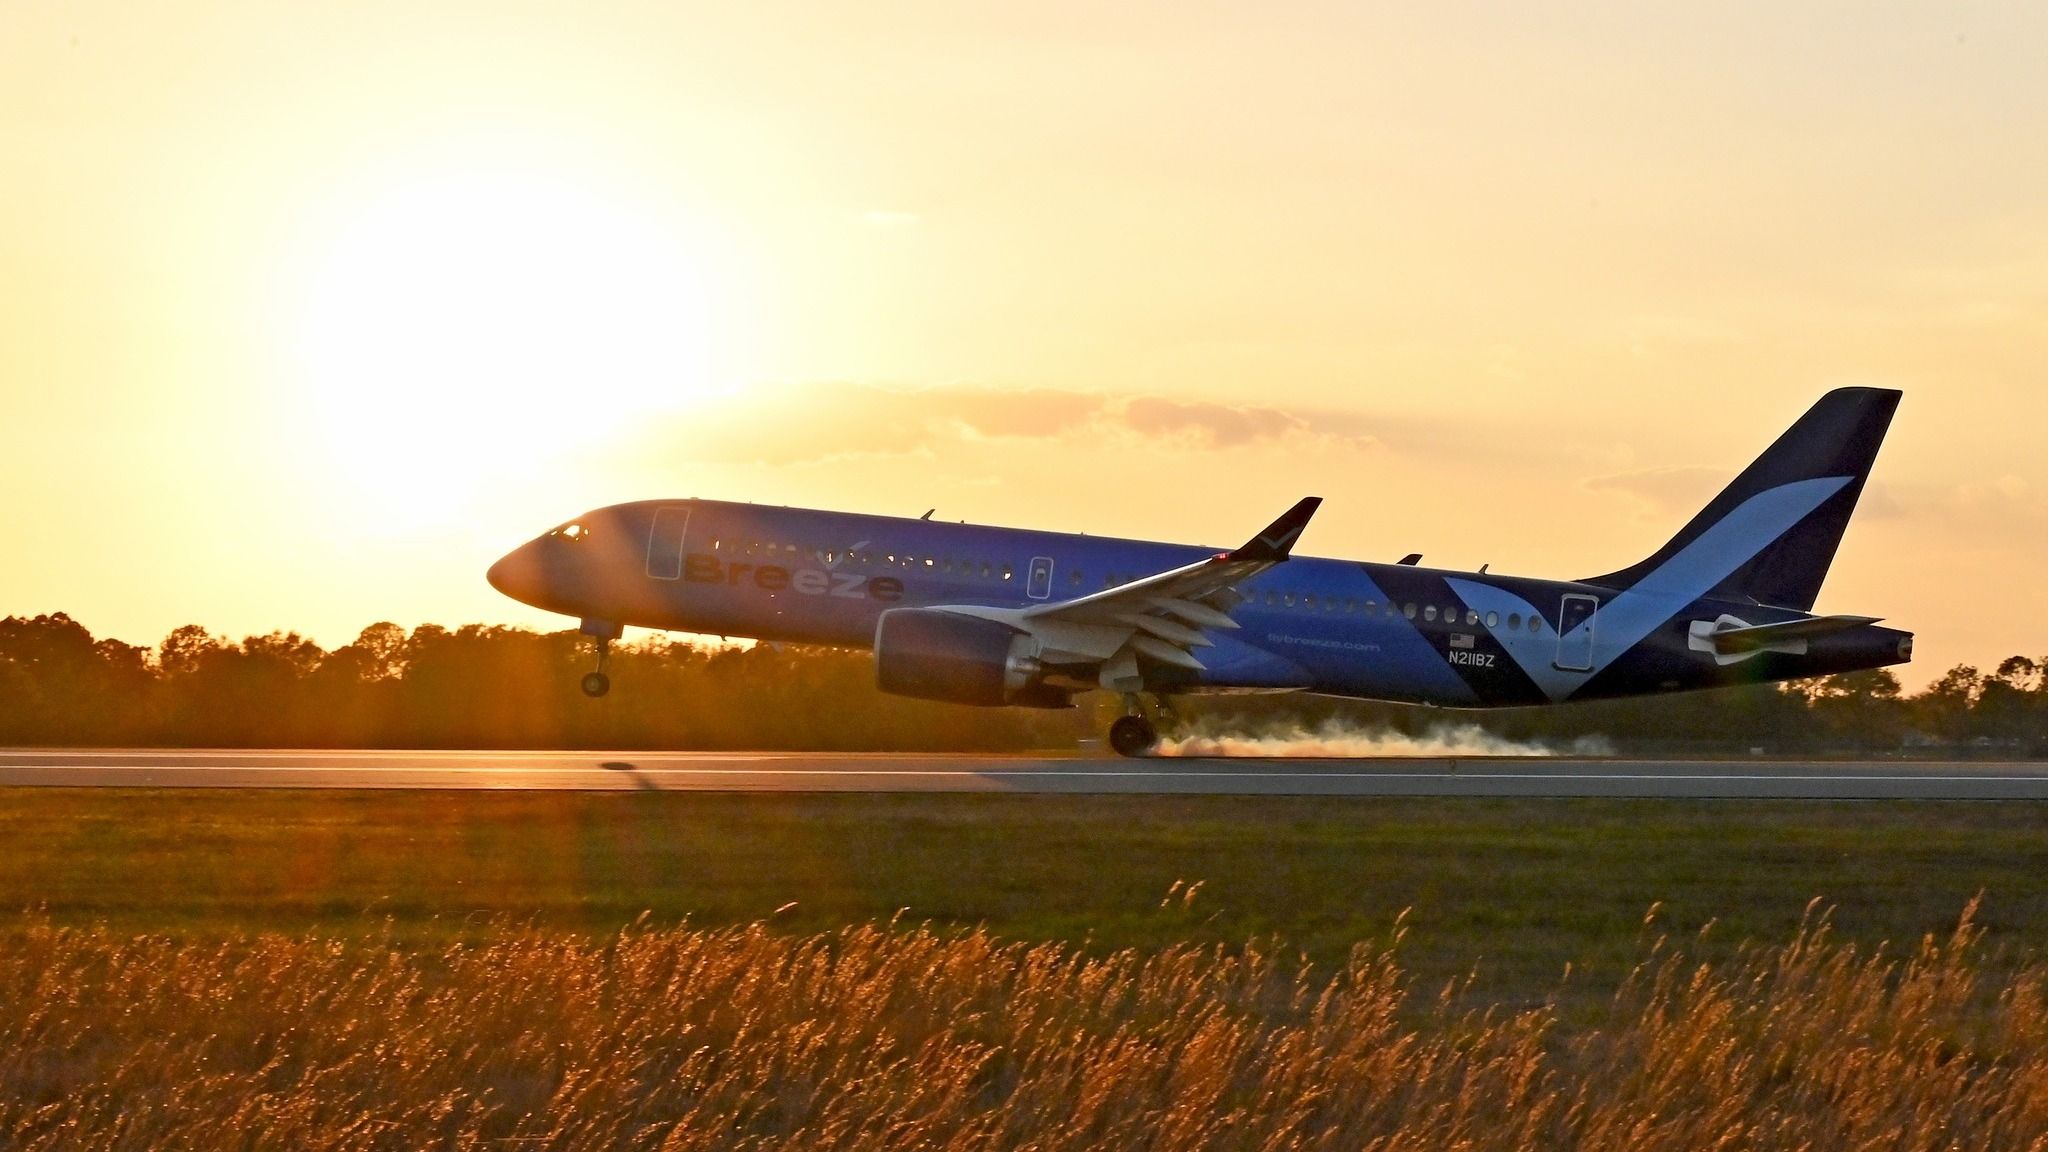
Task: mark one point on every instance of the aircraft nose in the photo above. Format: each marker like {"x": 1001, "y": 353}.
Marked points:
{"x": 517, "y": 574}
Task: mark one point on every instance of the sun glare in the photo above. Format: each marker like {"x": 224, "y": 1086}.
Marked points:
{"x": 460, "y": 329}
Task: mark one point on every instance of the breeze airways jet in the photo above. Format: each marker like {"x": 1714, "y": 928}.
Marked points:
{"x": 1001, "y": 616}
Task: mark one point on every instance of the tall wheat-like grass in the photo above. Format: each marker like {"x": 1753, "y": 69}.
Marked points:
{"x": 875, "y": 1037}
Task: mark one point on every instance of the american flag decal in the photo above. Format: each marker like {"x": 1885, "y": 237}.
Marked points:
{"x": 1461, "y": 639}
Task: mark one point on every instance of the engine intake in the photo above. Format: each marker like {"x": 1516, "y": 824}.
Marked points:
{"x": 936, "y": 655}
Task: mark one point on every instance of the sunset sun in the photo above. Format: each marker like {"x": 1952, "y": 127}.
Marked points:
{"x": 460, "y": 327}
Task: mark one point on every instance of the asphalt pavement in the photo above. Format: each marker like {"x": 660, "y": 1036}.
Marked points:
{"x": 833, "y": 772}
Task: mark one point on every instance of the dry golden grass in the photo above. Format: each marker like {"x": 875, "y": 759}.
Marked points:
{"x": 872, "y": 1037}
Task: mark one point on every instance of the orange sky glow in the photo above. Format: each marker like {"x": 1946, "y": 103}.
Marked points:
{"x": 307, "y": 313}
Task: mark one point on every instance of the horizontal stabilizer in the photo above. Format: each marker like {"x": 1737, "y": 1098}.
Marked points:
{"x": 1757, "y": 637}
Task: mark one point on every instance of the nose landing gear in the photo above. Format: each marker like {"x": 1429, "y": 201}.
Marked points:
{"x": 596, "y": 684}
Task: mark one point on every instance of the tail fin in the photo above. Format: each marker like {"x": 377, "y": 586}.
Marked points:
{"x": 1771, "y": 534}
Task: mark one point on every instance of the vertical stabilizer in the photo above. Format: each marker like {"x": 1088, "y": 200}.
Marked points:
{"x": 1774, "y": 530}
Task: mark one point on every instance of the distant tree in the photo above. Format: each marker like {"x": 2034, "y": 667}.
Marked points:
{"x": 182, "y": 650}
{"x": 2010, "y": 703}
{"x": 1944, "y": 710}
{"x": 482, "y": 686}
{"x": 60, "y": 686}
{"x": 1859, "y": 710}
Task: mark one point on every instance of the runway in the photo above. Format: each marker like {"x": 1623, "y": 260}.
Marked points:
{"x": 835, "y": 772}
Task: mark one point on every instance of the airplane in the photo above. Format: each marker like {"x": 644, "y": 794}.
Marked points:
{"x": 989, "y": 616}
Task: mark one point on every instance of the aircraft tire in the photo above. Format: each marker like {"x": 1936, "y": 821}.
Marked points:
{"x": 1132, "y": 736}
{"x": 596, "y": 684}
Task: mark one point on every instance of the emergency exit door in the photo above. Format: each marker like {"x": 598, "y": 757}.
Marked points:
{"x": 1039, "y": 586}
{"x": 1575, "y": 632}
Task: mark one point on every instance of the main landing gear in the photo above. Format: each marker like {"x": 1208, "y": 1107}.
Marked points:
{"x": 1135, "y": 733}
{"x": 1132, "y": 736}
{"x": 596, "y": 683}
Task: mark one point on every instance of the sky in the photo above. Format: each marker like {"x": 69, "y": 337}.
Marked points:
{"x": 308, "y": 312}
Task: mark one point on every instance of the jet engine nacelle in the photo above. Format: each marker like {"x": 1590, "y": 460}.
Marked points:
{"x": 936, "y": 655}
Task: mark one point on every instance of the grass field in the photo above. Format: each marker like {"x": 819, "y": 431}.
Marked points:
{"x": 565, "y": 971}
{"x": 1510, "y": 889}
{"x": 866, "y": 1038}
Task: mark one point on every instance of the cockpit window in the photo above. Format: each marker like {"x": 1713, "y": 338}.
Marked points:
{"x": 574, "y": 532}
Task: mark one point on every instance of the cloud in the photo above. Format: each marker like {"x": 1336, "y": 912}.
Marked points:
{"x": 2005, "y": 504}
{"x": 816, "y": 423}
{"x": 1665, "y": 490}
{"x": 1210, "y": 425}
{"x": 990, "y": 413}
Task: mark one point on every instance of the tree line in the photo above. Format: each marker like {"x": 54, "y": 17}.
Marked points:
{"x": 484, "y": 686}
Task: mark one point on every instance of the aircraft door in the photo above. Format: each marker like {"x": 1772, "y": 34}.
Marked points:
{"x": 1574, "y": 642}
{"x": 1039, "y": 586}
{"x": 665, "y": 543}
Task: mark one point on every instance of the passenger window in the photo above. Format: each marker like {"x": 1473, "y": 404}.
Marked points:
{"x": 1074, "y": 577}
{"x": 1471, "y": 618}
{"x": 1408, "y": 610}
{"x": 1308, "y": 602}
{"x": 1008, "y": 572}
{"x": 1272, "y": 599}
{"x": 1372, "y": 607}
{"x": 1535, "y": 623}
{"x": 985, "y": 573}
{"x": 1493, "y": 619}
{"x": 1429, "y": 613}
{"x": 1514, "y": 621}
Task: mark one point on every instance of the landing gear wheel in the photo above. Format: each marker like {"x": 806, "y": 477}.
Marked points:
{"x": 1132, "y": 736}
{"x": 596, "y": 683}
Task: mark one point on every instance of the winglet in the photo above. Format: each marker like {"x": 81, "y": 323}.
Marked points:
{"x": 1272, "y": 545}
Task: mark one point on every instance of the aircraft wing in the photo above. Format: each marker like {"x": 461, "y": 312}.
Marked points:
{"x": 1163, "y": 616}
{"x": 1165, "y": 591}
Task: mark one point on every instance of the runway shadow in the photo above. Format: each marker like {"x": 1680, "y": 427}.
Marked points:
{"x": 640, "y": 781}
